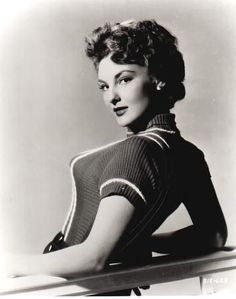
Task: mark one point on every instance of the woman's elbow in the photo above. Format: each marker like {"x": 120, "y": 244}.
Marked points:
{"x": 219, "y": 237}
{"x": 89, "y": 260}
{"x": 219, "y": 240}
{"x": 98, "y": 264}
{"x": 97, "y": 261}
{"x": 94, "y": 264}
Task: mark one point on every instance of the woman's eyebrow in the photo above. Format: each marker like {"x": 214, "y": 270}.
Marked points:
{"x": 118, "y": 75}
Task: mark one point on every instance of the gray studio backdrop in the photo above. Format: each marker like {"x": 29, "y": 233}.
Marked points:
{"x": 51, "y": 108}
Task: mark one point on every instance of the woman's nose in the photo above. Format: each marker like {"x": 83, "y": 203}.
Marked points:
{"x": 114, "y": 97}
{"x": 115, "y": 100}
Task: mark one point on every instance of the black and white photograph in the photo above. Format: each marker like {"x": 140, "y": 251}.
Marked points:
{"x": 117, "y": 147}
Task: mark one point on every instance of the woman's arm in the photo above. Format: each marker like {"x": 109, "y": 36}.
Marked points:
{"x": 209, "y": 230}
{"x": 113, "y": 216}
{"x": 188, "y": 240}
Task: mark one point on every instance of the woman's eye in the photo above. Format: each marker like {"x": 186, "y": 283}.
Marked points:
{"x": 125, "y": 80}
{"x": 103, "y": 87}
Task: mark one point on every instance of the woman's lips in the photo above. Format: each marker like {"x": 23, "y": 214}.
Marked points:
{"x": 119, "y": 111}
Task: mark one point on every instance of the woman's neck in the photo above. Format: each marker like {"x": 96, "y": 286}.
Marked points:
{"x": 141, "y": 123}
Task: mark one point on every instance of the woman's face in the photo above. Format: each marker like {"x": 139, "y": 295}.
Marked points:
{"x": 126, "y": 90}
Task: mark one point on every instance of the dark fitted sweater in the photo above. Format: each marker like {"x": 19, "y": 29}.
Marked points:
{"x": 155, "y": 170}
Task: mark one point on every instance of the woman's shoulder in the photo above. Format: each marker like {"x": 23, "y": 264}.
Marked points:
{"x": 137, "y": 146}
{"x": 96, "y": 150}
{"x": 136, "y": 142}
{"x": 128, "y": 146}
{"x": 193, "y": 149}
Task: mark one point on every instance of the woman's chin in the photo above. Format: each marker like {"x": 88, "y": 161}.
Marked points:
{"x": 121, "y": 121}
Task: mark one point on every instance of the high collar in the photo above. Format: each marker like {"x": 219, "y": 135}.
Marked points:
{"x": 165, "y": 122}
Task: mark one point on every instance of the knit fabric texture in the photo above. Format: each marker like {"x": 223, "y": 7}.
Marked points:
{"x": 147, "y": 168}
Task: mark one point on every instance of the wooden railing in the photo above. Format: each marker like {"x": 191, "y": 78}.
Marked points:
{"x": 161, "y": 269}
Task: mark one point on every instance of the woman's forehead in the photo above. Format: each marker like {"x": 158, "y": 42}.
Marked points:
{"x": 108, "y": 68}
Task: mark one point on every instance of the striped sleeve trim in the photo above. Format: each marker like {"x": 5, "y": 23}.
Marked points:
{"x": 152, "y": 135}
{"x": 154, "y": 129}
{"x": 67, "y": 225}
{"x": 153, "y": 139}
{"x": 126, "y": 182}
{"x": 161, "y": 138}
{"x": 70, "y": 215}
{"x": 161, "y": 130}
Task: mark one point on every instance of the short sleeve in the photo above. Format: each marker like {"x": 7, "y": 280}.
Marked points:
{"x": 131, "y": 172}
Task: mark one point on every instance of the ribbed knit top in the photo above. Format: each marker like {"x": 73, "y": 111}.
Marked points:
{"x": 142, "y": 168}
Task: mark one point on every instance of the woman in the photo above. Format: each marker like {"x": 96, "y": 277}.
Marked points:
{"x": 124, "y": 191}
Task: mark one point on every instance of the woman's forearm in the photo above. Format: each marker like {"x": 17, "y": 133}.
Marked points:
{"x": 74, "y": 260}
{"x": 186, "y": 240}
{"x": 90, "y": 256}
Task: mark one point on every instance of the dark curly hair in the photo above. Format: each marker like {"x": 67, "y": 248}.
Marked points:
{"x": 145, "y": 43}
